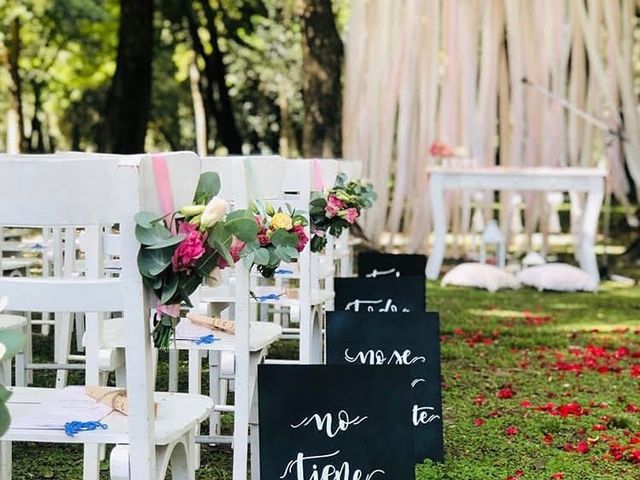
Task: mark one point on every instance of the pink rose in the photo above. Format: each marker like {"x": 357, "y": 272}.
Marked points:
{"x": 351, "y": 214}
{"x": 234, "y": 250}
{"x": 189, "y": 250}
{"x": 334, "y": 205}
{"x": 302, "y": 237}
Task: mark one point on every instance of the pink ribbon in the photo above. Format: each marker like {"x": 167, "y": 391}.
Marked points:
{"x": 163, "y": 182}
{"x": 317, "y": 174}
{"x": 171, "y": 310}
{"x": 165, "y": 196}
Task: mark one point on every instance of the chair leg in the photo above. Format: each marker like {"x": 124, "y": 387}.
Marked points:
{"x": 91, "y": 462}
{"x": 79, "y": 324}
{"x": 174, "y": 357}
{"x": 62, "y": 332}
{"x": 195, "y": 369}
{"x": 5, "y": 460}
{"x": 253, "y": 422}
{"x": 119, "y": 463}
{"x": 215, "y": 389}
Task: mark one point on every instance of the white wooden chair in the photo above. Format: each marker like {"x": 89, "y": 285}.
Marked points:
{"x": 243, "y": 179}
{"x": 313, "y": 271}
{"x": 91, "y": 194}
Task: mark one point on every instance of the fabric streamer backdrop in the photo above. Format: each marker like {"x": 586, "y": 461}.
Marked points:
{"x": 418, "y": 71}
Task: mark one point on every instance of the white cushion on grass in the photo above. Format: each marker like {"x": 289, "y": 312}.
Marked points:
{"x": 557, "y": 276}
{"x": 480, "y": 275}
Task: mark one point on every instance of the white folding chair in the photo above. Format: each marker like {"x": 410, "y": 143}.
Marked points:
{"x": 90, "y": 194}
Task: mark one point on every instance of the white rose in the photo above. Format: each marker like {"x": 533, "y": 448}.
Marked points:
{"x": 215, "y": 210}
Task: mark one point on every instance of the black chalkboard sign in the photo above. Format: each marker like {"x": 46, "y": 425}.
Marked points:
{"x": 380, "y": 294}
{"x": 374, "y": 265}
{"x": 397, "y": 339}
{"x": 332, "y": 421}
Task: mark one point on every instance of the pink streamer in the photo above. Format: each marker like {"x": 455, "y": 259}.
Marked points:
{"x": 163, "y": 182}
{"x": 317, "y": 175}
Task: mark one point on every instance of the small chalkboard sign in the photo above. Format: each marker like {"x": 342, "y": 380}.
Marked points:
{"x": 404, "y": 294}
{"x": 374, "y": 265}
{"x": 332, "y": 421}
{"x": 397, "y": 339}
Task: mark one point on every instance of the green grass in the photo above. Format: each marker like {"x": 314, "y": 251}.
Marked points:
{"x": 519, "y": 353}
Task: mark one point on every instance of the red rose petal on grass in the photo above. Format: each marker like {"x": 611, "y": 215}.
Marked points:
{"x": 635, "y": 370}
{"x": 506, "y": 392}
{"x": 525, "y": 404}
{"x": 547, "y": 439}
{"x": 632, "y": 408}
{"x": 458, "y": 331}
{"x": 598, "y": 427}
{"x": 511, "y": 430}
{"x": 479, "y": 400}
{"x": 557, "y": 476}
{"x": 478, "y": 422}
{"x": 582, "y": 447}
{"x": 516, "y": 475}
{"x": 634, "y": 456}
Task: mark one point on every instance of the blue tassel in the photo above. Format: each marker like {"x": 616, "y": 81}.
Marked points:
{"x": 271, "y": 296}
{"x": 283, "y": 271}
{"x": 206, "y": 340}
{"x": 74, "y": 427}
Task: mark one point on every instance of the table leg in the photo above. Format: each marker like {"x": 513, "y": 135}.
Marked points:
{"x": 438, "y": 212}
{"x": 587, "y": 255}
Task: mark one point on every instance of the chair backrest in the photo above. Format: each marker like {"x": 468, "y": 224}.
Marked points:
{"x": 352, "y": 168}
{"x": 247, "y": 178}
{"x": 67, "y": 190}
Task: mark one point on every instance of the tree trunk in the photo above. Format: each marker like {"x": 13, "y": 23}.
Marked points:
{"x": 129, "y": 99}
{"x": 16, "y": 116}
{"x": 215, "y": 92}
{"x": 322, "y": 51}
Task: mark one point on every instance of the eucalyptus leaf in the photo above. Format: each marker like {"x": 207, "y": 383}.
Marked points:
{"x": 246, "y": 229}
{"x": 261, "y": 256}
{"x": 154, "y": 262}
{"x": 282, "y": 254}
{"x": 283, "y": 238}
{"x": 169, "y": 288}
{"x": 208, "y": 187}
{"x": 169, "y": 242}
{"x": 248, "y": 260}
{"x": 146, "y": 219}
{"x": 150, "y": 236}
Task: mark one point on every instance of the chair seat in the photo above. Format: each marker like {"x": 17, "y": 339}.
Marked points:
{"x": 177, "y": 414}
{"x": 10, "y": 264}
{"x": 292, "y": 270}
{"x": 225, "y": 294}
{"x": 261, "y": 335}
{"x": 12, "y": 322}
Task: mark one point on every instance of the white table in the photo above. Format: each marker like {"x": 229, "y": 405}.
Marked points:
{"x": 571, "y": 179}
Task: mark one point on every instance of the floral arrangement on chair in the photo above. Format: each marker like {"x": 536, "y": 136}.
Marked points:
{"x": 338, "y": 209}
{"x": 281, "y": 237}
{"x": 179, "y": 250}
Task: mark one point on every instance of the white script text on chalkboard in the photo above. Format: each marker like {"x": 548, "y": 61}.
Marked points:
{"x": 423, "y": 415}
{"x": 371, "y": 305}
{"x": 325, "y": 422}
{"x": 378, "y": 357}
{"x": 381, "y": 273}
{"x": 328, "y": 472}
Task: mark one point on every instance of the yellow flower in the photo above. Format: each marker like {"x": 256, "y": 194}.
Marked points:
{"x": 281, "y": 220}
